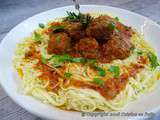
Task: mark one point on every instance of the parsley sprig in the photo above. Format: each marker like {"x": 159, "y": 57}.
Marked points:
{"x": 153, "y": 60}
{"x": 84, "y": 19}
{"x": 111, "y": 26}
{"x": 37, "y": 37}
{"x": 57, "y": 28}
{"x": 98, "y": 81}
{"x": 41, "y": 25}
{"x": 58, "y": 60}
{"x": 115, "y": 70}
{"x": 101, "y": 72}
{"x": 67, "y": 74}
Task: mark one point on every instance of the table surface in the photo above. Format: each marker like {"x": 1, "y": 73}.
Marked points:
{"x": 13, "y": 12}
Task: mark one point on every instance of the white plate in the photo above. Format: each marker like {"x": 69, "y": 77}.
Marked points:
{"x": 10, "y": 82}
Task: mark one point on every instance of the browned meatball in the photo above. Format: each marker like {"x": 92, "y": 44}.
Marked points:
{"x": 75, "y": 30}
{"x": 116, "y": 48}
{"x": 99, "y": 29}
{"x": 103, "y": 27}
{"x": 59, "y": 43}
{"x": 88, "y": 47}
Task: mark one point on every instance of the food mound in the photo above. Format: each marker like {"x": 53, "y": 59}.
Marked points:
{"x": 102, "y": 38}
{"x": 86, "y": 62}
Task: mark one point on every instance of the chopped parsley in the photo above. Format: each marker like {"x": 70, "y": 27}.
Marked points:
{"x": 81, "y": 60}
{"x": 44, "y": 60}
{"x": 153, "y": 60}
{"x": 41, "y": 25}
{"x": 101, "y": 72}
{"x": 58, "y": 60}
{"x": 65, "y": 57}
{"x": 72, "y": 16}
{"x": 116, "y": 18}
{"x": 37, "y": 37}
{"x": 57, "y": 28}
{"x": 115, "y": 70}
{"x": 98, "y": 81}
{"x": 91, "y": 61}
{"x": 111, "y": 26}
{"x": 139, "y": 52}
{"x": 132, "y": 48}
{"x": 84, "y": 19}
{"x": 67, "y": 74}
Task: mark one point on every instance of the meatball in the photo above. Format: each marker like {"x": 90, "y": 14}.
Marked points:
{"x": 99, "y": 29}
{"x": 118, "y": 47}
{"x": 103, "y": 27}
{"x": 75, "y": 30}
{"x": 59, "y": 43}
{"x": 88, "y": 47}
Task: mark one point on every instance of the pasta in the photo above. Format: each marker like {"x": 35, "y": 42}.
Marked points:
{"x": 67, "y": 91}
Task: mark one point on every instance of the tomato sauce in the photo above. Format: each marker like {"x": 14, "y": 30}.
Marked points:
{"x": 113, "y": 86}
{"x": 109, "y": 90}
{"x": 48, "y": 75}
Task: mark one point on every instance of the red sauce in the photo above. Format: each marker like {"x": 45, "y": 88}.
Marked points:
{"x": 114, "y": 45}
{"x": 32, "y": 53}
{"x": 113, "y": 86}
{"x": 48, "y": 74}
{"x": 110, "y": 89}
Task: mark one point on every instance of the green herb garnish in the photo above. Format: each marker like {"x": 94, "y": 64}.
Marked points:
{"x": 58, "y": 60}
{"x": 116, "y": 18}
{"x": 81, "y": 60}
{"x": 139, "y": 52}
{"x": 44, "y": 60}
{"x": 72, "y": 16}
{"x": 132, "y": 48}
{"x": 101, "y": 72}
{"x": 115, "y": 70}
{"x": 97, "y": 67}
{"x": 37, "y": 37}
{"x": 55, "y": 60}
{"x": 98, "y": 81}
{"x": 84, "y": 19}
{"x": 67, "y": 74}
{"x": 64, "y": 58}
{"x": 91, "y": 61}
{"x": 111, "y": 26}
{"x": 41, "y": 25}
{"x": 153, "y": 60}
{"x": 57, "y": 28}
